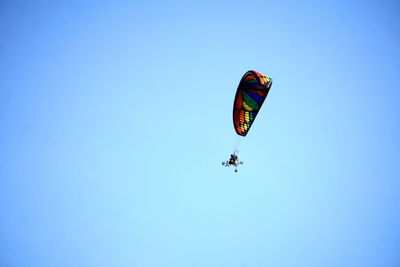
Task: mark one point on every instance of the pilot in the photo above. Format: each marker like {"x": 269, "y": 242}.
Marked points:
{"x": 233, "y": 160}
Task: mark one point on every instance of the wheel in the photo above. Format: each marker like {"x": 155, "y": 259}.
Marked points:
{"x": 236, "y": 170}
{"x": 223, "y": 163}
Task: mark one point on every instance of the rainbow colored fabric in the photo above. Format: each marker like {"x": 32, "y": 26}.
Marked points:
{"x": 250, "y": 95}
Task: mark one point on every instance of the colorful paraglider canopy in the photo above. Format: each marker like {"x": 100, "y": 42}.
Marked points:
{"x": 250, "y": 95}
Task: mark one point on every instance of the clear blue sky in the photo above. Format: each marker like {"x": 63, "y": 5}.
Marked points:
{"x": 115, "y": 117}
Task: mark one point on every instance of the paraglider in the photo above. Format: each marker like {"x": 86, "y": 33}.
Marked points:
{"x": 233, "y": 161}
{"x": 250, "y": 95}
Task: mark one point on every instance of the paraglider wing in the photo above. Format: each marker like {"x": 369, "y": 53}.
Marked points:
{"x": 250, "y": 95}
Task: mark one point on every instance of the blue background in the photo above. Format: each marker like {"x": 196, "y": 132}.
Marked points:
{"x": 115, "y": 118}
